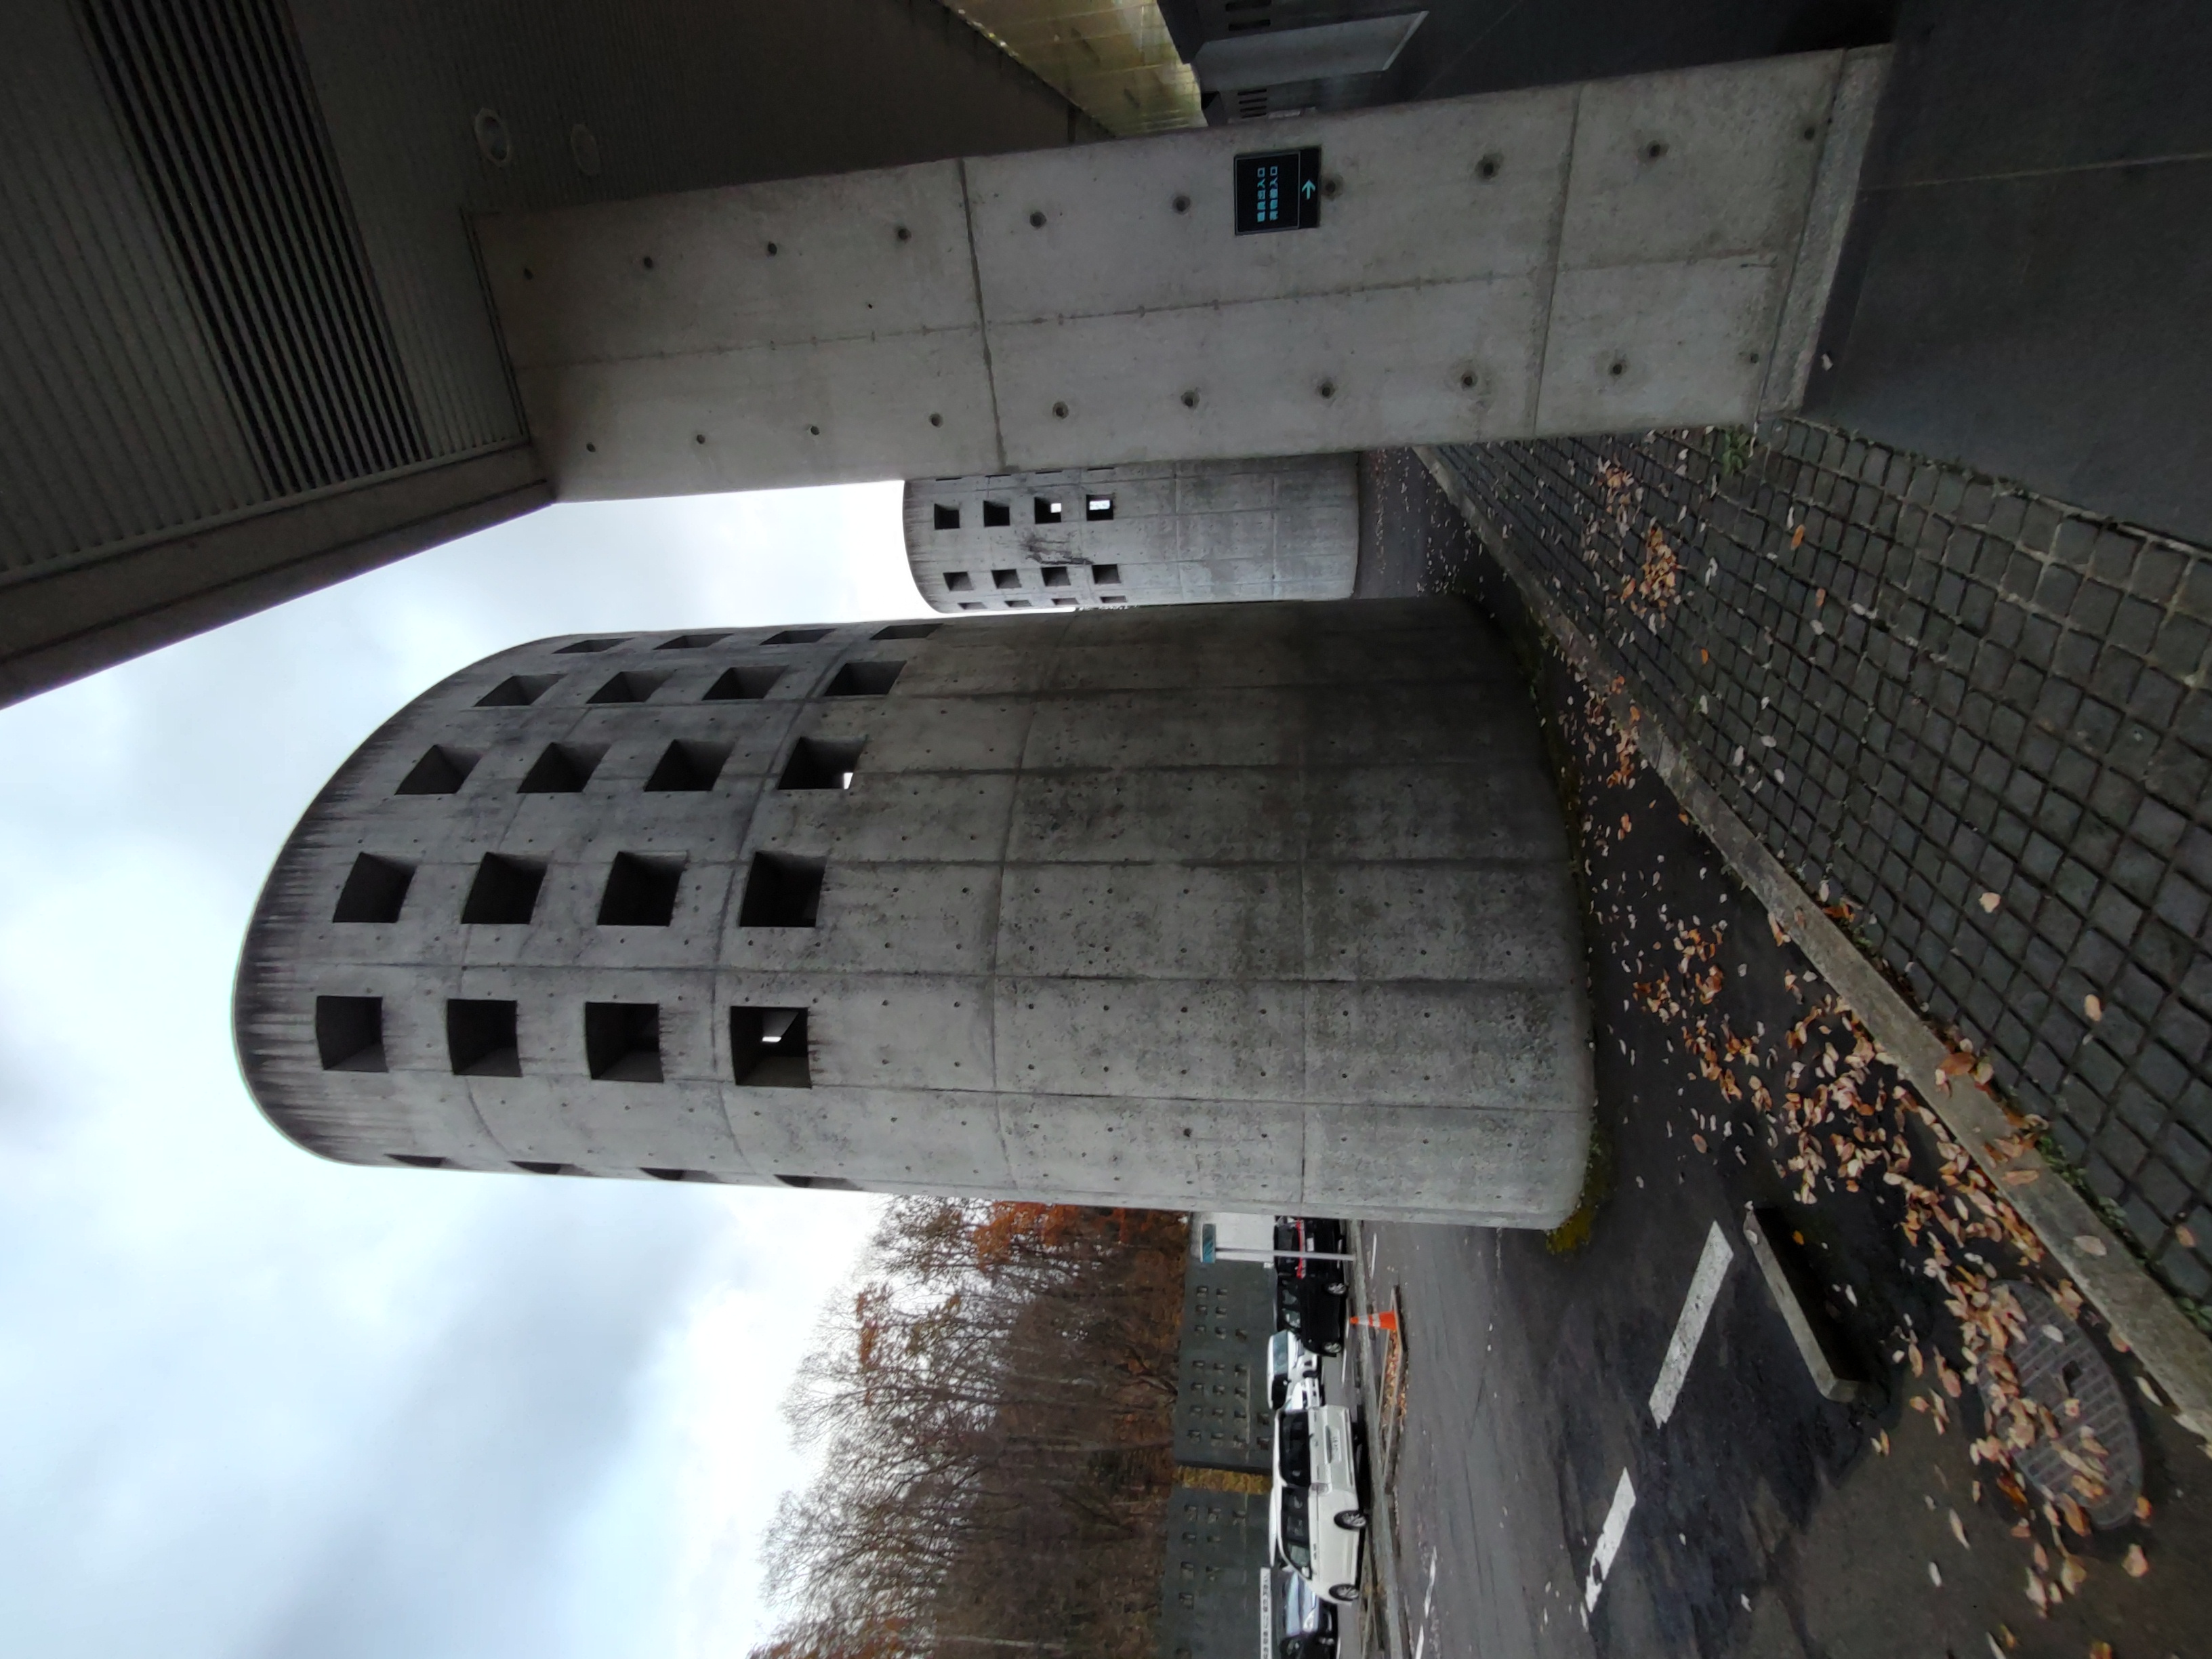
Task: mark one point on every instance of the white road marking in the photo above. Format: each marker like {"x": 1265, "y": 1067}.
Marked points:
{"x": 1608, "y": 1541}
{"x": 1697, "y": 1308}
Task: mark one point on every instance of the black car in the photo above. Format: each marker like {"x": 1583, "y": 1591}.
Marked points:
{"x": 1308, "y": 1622}
{"x": 1311, "y": 1296}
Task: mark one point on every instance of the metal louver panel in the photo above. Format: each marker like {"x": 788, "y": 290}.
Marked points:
{"x": 217, "y": 105}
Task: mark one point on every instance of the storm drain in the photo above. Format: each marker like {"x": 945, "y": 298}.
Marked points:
{"x": 2096, "y": 1461}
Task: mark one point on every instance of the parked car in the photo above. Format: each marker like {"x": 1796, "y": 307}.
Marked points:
{"x": 1311, "y": 1296}
{"x": 1315, "y": 1519}
{"x": 1308, "y": 1622}
{"x": 1293, "y": 1373}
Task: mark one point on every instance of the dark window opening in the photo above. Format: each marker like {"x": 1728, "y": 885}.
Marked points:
{"x": 1019, "y": 604}
{"x": 1048, "y": 511}
{"x": 622, "y": 1041}
{"x": 768, "y": 1047}
{"x": 905, "y": 631}
{"x": 781, "y": 891}
{"x": 688, "y": 768}
{"x": 441, "y": 772}
{"x": 798, "y": 636}
{"x": 375, "y": 890}
{"x": 822, "y": 763}
{"x": 996, "y": 513}
{"x": 973, "y": 605}
{"x": 588, "y": 645}
{"x": 533, "y": 1167}
{"x": 1005, "y": 578}
{"x": 517, "y": 691}
{"x": 420, "y": 1160}
{"x": 675, "y": 1175}
{"x": 1113, "y": 598}
{"x": 564, "y": 770}
{"x": 641, "y": 891}
{"x": 819, "y": 1183}
{"x": 946, "y": 518}
{"x": 863, "y": 679}
{"x": 504, "y": 893}
{"x": 1105, "y": 575}
{"x": 691, "y": 641}
{"x": 958, "y": 581}
{"x": 480, "y": 1039}
{"x": 743, "y": 686}
{"x": 629, "y": 686}
{"x": 1056, "y": 576}
{"x": 1097, "y": 509}
{"x": 350, "y": 1033}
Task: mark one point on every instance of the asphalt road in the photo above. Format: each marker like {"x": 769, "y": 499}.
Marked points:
{"x": 1764, "y": 1520}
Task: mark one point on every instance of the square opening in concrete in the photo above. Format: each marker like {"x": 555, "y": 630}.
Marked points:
{"x": 819, "y": 1183}
{"x": 997, "y": 514}
{"x": 798, "y": 636}
{"x": 973, "y": 605}
{"x": 564, "y": 770}
{"x": 531, "y": 1167}
{"x": 1019, "y": 604}
{"x": 768, "y": 1047}
{"x": 675, "y": 1175}
{"x": 350, "y": 1033}
{"x": 958, "y": 581}
{"x": 441, "y": 772}
{"x": 822, "y": 763}
{"x": 944, "y": 518}
{"x": 1048, "y": 511}
{"x": 421, "y": 1160}
{"x": 743, "y": 686}
{"x": 518, "y": 692}
{"x": 1105, "y": 575}
{"x": 588, "y": 645}
{"x": 863, "y": 679}
{"x": 480, "y": 1039}
{"x": 691, "y": 641}
{"x": 641, "y": 891}
{"x": 504, "y": 893}
{"x": 688, "y": 768}
{"x": 905, "y": 631}
{"x": 622, "y": 1041}
{"x": 1005, "y": 578}
{"x": 375, "y": 888}
{"x": 1068, "y": 601}
{"x": 629, "y": 686}
{"x": 1097, "y": 509}
{"x": 1113, "y": 598}
{"x": 1056, "y": 576}
{"x": 781, "y": 890}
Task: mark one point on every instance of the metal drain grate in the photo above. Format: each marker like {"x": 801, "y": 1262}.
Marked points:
{"x": 2055, "y": 1363}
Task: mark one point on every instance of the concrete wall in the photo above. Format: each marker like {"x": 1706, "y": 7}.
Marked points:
{"x": 1258, "y": 907}
{"x": 1613, "y": 256}
{"x": 1181, "y": 532}
{"x": 1222, "y": 1417}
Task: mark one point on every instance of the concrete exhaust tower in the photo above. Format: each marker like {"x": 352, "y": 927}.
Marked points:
{"x": 1260, "y": 906}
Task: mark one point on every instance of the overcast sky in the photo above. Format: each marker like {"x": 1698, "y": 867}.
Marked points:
{"x": 258, "y": 1406}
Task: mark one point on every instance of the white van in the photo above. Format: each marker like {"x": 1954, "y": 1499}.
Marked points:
{"x": 1315, "y": 1521}
{"x": 1293, "y": 1374}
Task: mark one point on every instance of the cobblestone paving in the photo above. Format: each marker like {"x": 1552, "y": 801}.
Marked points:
{"x": 1974, "y": 719}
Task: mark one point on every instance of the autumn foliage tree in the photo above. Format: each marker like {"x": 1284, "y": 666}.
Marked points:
{"x": 992, "y": 1407}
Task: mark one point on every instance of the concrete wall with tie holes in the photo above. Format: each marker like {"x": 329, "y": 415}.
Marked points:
{"x": 1260, "y": 906}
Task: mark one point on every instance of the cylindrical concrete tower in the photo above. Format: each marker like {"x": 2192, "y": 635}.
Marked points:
{"x": 1254, "y": 907}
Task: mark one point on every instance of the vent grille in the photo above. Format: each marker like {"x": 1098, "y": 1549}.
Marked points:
{"x": 216, "y": 101}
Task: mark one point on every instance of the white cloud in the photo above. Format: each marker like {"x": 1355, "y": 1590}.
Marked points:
{"x": 254, "y": 1402}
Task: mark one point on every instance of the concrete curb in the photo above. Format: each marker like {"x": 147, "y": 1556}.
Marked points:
{"x": 1382, "y": 1534}
{"x": 2178, "y": 1357}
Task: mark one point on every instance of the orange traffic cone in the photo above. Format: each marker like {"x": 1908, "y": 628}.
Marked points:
{"x": 1385, "y": 1320}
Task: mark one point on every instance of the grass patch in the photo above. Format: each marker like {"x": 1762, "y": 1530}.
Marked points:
{"x": 1573, "y": 1233}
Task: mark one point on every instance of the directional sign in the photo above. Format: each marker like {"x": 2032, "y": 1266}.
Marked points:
{"x": 1278, "y": 190}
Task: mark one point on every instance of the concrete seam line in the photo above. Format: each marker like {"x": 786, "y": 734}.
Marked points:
{"x": 2140, "y": 1312}
{"x": 982, "y": 322}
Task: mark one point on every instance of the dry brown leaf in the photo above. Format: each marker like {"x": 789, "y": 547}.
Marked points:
{"x": 2089, "y": 1246}
{"x": 2037, "y": 1595}
{"x": 1955, "y": 1063}
{"x": 2135, "y": 1561}
{"x": 1990, "y": 902}
{"x": 2186, "y": 1236}
{"x": 2101, "y": 1651}
{"x": 1798, "y": 536}
{"x": 2093, "y": 1005}
{"x": 2020, "y": 1177}
{"x": 2073, "y": 1574}
{"x": 2143, "y": 1509}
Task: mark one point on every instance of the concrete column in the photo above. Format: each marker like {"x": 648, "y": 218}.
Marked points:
{"x": 1256, "y": 906}
{"x": 1618, "y": 255}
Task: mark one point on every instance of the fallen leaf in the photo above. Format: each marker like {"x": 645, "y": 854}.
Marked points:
{"x": 2020, "y": 1177}
{"x": 2101, "y": 1651}
{"x": 2092, "y": 1006}
{"x": 2143, "y": 1509}
{"x": 1990, "y": 901}
{"x": 1955, "y": 1063}
{"x": 2186, "y": 1236}
{"x": 2073, "y": 1574}
{"x": 1798, "y": 536}
{"x": 2135, "y": 1561}
{"x": 2037, "y": 1593}
{"x": 1698, "y": 1141}
{"x": 2088, "y": 1245}
{"x": 1959, "y": 1530}
{"x": 1934, "y": 1577}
